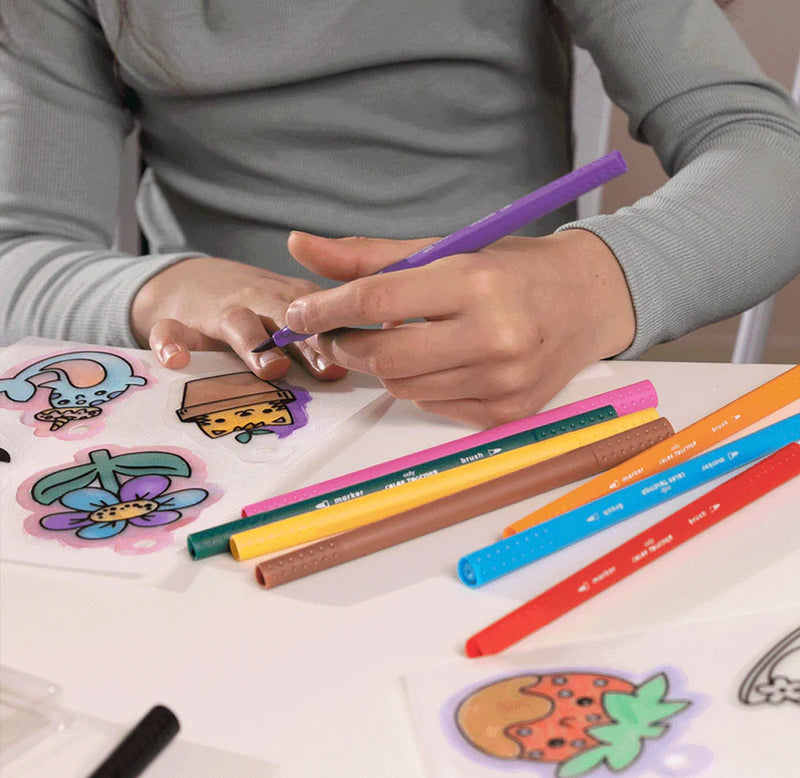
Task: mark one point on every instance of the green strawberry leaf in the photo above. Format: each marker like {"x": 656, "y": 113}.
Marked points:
{"x": 653, "y": 689}
{"x": 666, "y": 709}
{"x": 624, "y": 753}
{"x": 621, "y": 706}
{"x": 582, "y": 763}
{"x": 636, "y": 717}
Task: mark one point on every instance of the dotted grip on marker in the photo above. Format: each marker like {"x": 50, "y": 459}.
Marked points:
{"x": 484, "y": 565}
{"x": 447, "y": 511}
{"x": 727, "y": 498}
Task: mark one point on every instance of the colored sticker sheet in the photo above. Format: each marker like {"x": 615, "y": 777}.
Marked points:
{"x": 673, "y": 702}
{"x": 113, "y": 459}
{"x": 68, "y": 392}
{"x": 229, "y": 414}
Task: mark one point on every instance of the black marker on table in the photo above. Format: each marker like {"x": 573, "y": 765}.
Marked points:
{"x": 141, "y": 745}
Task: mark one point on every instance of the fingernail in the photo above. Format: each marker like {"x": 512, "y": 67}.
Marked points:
{"x": 168, "y": 351}
{"x": 266, "y": 357}
{"x": 296, "y": 314}
{"x": 321, "y": 363}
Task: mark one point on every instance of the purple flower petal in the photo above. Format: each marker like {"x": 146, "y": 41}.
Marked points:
{"x": 101, "y": 529}
{"x": 143, "y": 487}
{"x": 59, "y": 521}
{"x": 89, "y": 498}
{"x": 156, "y": 518}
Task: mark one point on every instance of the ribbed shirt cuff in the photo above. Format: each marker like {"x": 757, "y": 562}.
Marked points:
{"x": 649, "y": 303}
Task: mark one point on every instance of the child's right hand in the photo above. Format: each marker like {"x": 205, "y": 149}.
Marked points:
{"x": 208, "y": 303}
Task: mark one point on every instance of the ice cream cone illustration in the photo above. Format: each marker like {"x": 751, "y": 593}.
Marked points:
{"x": 58, "y": 423}
{"x": 59, "y": 417}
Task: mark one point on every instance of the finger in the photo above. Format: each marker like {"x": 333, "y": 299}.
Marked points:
{"x": 413, "y": 349}
{"x": 407, "y": 294}
{"x": 343, "y": 259}
{"x": 315, "y": 363}
{"x": 456, "y": 384}
{"x": 477, "y": 412}
{"x": 499, "y": 407}
{"x": 479, "y": 379}
{"x": 170, "y": 341}
{"x": 243, "y": 329}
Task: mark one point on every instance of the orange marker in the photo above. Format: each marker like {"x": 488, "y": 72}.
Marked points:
{"x": 697, "y": 437}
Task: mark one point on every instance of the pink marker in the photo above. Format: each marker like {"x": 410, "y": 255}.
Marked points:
{"x": 626, "y": 399}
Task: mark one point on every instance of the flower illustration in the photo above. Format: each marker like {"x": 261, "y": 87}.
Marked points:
{"x": 142, "y": 501}
{"x": 780, "y": 689}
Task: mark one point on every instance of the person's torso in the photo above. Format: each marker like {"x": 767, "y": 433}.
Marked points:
{"x": 340, "y": 117}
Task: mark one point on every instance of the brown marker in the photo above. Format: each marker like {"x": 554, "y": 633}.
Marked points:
{"x": 482, "y": 498}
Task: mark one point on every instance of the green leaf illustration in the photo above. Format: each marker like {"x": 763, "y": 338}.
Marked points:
{"x": 620, "y": 706}
{"x": 666, "y": 709}
{"x": 582, "y": 763}
{"x": 106, "y": 469}
{"x": 636, "y": 717}
{"x": 654, "y": 689}
{"x": 54, "y": 486}
{"x": 151, "y": 463}
{"x": 624, "y": 753}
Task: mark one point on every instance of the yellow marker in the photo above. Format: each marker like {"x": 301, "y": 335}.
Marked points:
{"x": 697, "y": 437}
{"x": 324, "y": 522}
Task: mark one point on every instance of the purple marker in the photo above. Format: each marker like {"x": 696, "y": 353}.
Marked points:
{"x": 496, "y": 225}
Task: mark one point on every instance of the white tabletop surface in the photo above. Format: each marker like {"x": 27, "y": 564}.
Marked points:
{"x": 306, "y": 677}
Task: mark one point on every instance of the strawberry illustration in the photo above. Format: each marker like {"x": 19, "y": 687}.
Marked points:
{"x": 576, "y": 720}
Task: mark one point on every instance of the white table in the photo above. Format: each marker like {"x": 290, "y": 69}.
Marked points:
{"x": 305, "y": 676}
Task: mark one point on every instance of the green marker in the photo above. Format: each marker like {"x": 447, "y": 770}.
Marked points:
{"x": 215, "y": 540}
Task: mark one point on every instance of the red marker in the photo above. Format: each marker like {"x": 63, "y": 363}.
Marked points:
{"x": 691, "y": 520}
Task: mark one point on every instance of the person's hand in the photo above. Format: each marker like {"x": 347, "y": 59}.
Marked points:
{"x": 503, "y": 329}
{"x": 207, "y": 303}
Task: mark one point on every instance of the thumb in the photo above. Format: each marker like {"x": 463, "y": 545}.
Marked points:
{"x": 343, "y": 259}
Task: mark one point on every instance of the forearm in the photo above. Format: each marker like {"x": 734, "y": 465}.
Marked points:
{"x": 721, "y": 235}
{"x": 724, "y": 232}
{"x": 56, "y": 288}
{"x": 61, "y": 137}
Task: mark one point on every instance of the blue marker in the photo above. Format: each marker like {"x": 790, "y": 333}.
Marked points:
{"x": 521, "y": 549}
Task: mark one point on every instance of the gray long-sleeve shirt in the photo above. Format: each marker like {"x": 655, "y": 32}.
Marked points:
{"x": 377, "y": 118}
